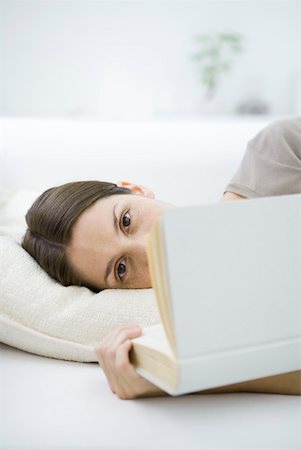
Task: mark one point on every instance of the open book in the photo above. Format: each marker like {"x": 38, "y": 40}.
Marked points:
{"x": 227, "y": 279}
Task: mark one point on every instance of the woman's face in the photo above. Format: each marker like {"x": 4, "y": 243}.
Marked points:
{"x": 108, "y": 245}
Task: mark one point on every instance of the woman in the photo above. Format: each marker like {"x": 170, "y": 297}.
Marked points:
{"x": 93, "y": 234}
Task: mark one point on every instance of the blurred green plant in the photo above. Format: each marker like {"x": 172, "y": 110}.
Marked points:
{"x": 216, "y": 55}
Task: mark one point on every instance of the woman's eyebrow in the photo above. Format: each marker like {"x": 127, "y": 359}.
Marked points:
{"x": 115, "y": 220}
{"x": 109, "y": 268}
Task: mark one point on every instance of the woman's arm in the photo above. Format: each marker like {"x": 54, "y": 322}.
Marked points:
{"x": 271, "y": 164}
{"x": 286, "y": 383}
{"x": 231, "y": 196}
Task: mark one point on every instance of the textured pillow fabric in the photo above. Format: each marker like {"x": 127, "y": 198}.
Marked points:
{"x": 39, "y": 315}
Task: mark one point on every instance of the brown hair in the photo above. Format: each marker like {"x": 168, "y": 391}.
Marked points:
{"x": 50, "y": 220}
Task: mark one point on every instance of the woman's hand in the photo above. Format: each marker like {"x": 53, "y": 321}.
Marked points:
{"x": 113, "y": 356}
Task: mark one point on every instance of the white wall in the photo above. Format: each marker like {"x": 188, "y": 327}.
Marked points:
{"x": 132, "y": 59}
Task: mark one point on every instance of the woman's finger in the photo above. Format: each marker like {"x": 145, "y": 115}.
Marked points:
{"x": 117, "y": 337}
{"x": 110, "y": 337}
{"x": 125, "y": 375}
{"x": 122, "y": 360}
{"x": 114, "y": 338}
{"x": 117, "y": 343}
{"x": 109, "y": 371}
{"x": 113, "y": 356}
{"x": 124, "y": 334}
{"x": 116, "y": 369}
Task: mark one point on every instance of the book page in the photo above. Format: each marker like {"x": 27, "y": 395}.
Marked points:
{"x": 154, "y": 336}
{"x": 157, "y": 267}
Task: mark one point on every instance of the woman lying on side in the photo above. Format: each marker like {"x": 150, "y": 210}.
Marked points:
{"x": 92, "y": 234}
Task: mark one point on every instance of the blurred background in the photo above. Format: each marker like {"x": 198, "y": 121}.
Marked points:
{"x": 129, "y": 87}
{"x": 124, "y": 60}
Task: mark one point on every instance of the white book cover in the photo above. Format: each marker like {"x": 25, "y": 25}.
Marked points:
{"x": 237, "y": 315}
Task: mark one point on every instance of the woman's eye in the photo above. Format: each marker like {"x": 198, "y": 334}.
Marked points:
{"x": 126, "y": 220}
{"x": 121, "y": 269}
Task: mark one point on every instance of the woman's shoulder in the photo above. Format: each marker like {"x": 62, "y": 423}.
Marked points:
{"x": 279, "y": 139}
{"x": 271, "y": 164}
{"x": 281, "y": 128}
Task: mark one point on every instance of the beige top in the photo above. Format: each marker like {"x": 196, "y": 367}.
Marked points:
{"x": 272, "y": 162}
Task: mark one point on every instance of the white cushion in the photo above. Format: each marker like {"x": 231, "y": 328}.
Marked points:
{"x": 39, "y": 315}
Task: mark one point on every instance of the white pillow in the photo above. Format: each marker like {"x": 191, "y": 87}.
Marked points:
{"x": 39, "y": 315}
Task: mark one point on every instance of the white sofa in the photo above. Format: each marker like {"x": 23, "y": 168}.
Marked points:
{"x": 46, "y": 403}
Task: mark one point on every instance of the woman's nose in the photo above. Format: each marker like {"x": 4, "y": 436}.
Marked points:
{"x": 140, "y": 245}
{"x": 137, "y": 247}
